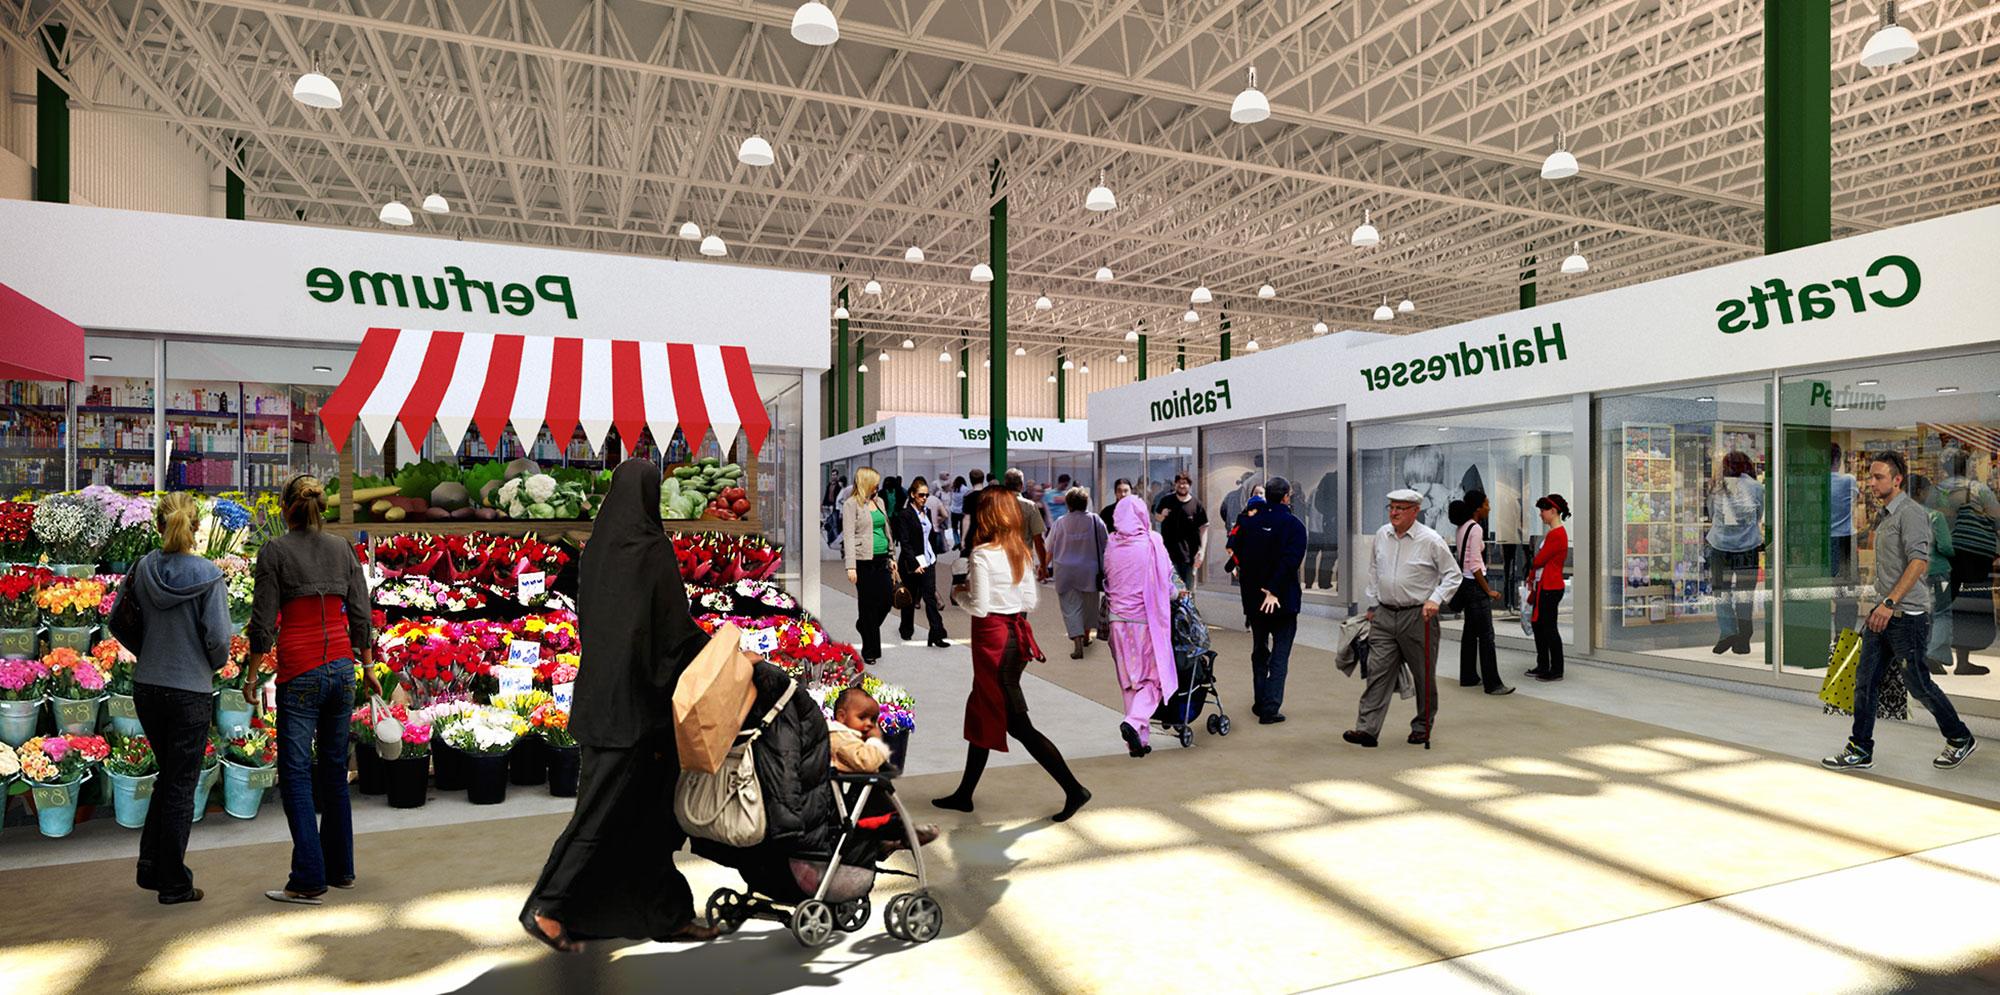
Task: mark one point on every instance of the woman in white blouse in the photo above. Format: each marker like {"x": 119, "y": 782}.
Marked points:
{"x": 1002, "y": 587}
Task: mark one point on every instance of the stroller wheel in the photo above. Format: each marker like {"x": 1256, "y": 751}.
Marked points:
{"x": 851, "y": 916}
{"x": 725, "y": 910}
{"x": 1186, "y": 736}
{"x": 812, "y": 923}
{"x": 1218, "y": 724}
{"x": 925, "y": 920}
{"x": 896, "y": 916}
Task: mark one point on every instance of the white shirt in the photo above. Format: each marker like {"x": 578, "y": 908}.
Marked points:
{"x": 990, "y": 582}
{"x": 1412, "y": 568}
{"x": 925, "y": 558}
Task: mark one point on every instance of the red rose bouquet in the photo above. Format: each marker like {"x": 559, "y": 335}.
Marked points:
{"x": 132, "y": 757}
{"x": 17, "y": 596}
{"x": 17, "y": 532}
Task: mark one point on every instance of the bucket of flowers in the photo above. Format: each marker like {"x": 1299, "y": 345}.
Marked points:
{"x": 528, "y": 765}
{"x": 130, "y": 517}
{"x": 371, "y": 769}
{"x": 20, "y": 616}
{"x": 551, "y": 725}
{"x": 76, "y": 690}
{"x": 486, "y": 735}
{"x": 132, "y": 770}
{"x": 55, "y": 768}
{"x": 23, "y": 685}
{"x": 240, "y": 586}
{"x": 72, "y": 609}
{"x": 117, "y": 665}
{"x": 249, "y": 768}
{"x": 18, "y": 545}
{"x": 72, "y": 529}
{"x": 222, "y": 528}
{"x": 211, "y": 772}
{"x": 447, "y": 761}
{"x": 409, "y": 773}
{"x": 232, "y": 712}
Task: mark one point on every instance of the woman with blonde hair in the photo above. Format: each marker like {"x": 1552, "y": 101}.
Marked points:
{"x": 172, "y": 613}
{"x": 1003, "y": 590}
{"x": 311, "y": 606}
{"x": 865, "y": 524}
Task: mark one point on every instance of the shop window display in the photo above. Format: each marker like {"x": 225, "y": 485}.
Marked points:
{"x": 1232, "y": 472}
{"x": 1306, "y": 450}
{"x": 1943, "y": 416}
{"x": 114, "y": 415}
{"x": 1683, "y": 522}
{"x": 34, "y": 432}
{"x": 1514, "y": 455}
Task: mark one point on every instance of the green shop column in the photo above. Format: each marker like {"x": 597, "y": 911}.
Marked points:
{"x": 1142, "y": 357}
{"x": 52, "y": 126}
{"x": 1062, "y": 384}
{"x": 1528, "y": 283}
{"x": 1225, "y": 335}
{"x": 964, "y": 381}
{"x": 860, "y": 380}
{"x": 1806, "y": 418}
{"x": 996, "y": 326}
{"x": 840, "y": 408}
{"x": 1798, "y": 124}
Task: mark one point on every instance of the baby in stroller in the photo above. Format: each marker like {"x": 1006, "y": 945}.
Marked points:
{"x": 818, "y": 862}
{"x": 854, "y": 735}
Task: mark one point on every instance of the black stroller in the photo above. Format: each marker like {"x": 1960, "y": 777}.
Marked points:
{"x": 818, "y": 862}
{"x": 1194, "y": 664}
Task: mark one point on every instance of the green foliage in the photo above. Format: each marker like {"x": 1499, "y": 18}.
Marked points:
{"x": 417, "y": 479}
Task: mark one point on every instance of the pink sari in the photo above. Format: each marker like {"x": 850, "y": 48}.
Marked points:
{"x": 1139, "y": 583}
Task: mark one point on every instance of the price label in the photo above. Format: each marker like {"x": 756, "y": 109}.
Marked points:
{"x": 51, "y": 797}
{"x": 123, "y": 707}
{"x": 514, "y": 680}
{"x": 261, "y": 777}
{"x": 142, "y": 790}
{"x": 524, "y": 653}
{"x": 533, "y": 584}
{"x": 564, "y": 694}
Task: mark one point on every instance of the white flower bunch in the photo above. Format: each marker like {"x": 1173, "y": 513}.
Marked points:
{"x": 486, "y": 730}
{"x": 73, "y": 528}
{"x": 10, "y": 762}
{"x": 442, "y": 713}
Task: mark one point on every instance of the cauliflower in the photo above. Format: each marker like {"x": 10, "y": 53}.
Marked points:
{"x": 540, "y": 488}
{"x": 509, "y": 491}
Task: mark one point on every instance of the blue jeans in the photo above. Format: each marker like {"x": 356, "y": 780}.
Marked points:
{"x": 313, "y": 711}
{"x": 1270, "y": 656}
{"x": 1902, "y": 641}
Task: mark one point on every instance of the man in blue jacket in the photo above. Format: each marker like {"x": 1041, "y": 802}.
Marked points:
{"x": 1269, "y": 547}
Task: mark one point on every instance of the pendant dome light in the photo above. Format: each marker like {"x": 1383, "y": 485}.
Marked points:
{"x": 1385, "y": 313}
{"x": 813, "y": 24}
{"x": 982, "y": 273}
{"x": 1250, "y": 106}
{"x": 1406, "y": 306}
{"x": 1366, "y": 235}
{"x": 883, "y": 355}
{"x": 1086, "y": 369}
{"x": 1100, "y": 197}
{"x": 1122, "y": 359}
{"x": 1043, "y": 303}
{"x": 1890, "y": 44}
{"x": 1266, "y": 292}
{"x": 1069, "y": 364}
{"x": 988, "y": 363}
{"x": 944, "y": 357}
{"x": 1200, "y": 295}
{"x": 755, "y": 151}
{"x": 840, "y": 312}
{"x": 436, "y": 204}
{"x": 913, "y": 255}
{"x": 712, "y": 246}
{"x": 690, "y": 231}
{"x": 395, "y": 213}
{"x": 315, "y": 90}
{"x": 1560, "y": 164}
{"x": 909, "y": 343}
{"x": 1319, "y": 328}
{"x": 1052, "y": 378}
{"x": 1191, "y": 316}
{"x": 961, "y": 374}
{"x": 1020, "y": 350}
{"x": 1576, "y": 263}
{"x": 872, "y": 288}
{"x": 1253, "y": 346}
{"x": 863, "y": 368}
{"x": 1104, "y": 274}
{"x": 1132, "y": 336}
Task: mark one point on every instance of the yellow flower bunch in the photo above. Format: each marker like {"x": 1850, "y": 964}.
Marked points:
{"x": 522, "y": 704}
{"x": 71, "y": 603}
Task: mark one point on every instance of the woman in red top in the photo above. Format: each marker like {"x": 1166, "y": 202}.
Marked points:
{"x": 1547, "y": 593}
{"x": 311, "y": 606}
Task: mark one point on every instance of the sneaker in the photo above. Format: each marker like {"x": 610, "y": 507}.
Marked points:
{"x": 1955, "y": 754}
{"x": 1851, "y": 757}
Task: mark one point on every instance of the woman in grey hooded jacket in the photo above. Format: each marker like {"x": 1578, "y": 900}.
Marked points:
{"x": 180, "y": 633}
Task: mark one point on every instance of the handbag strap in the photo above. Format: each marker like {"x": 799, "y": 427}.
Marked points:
{"x": 764, "y": 723}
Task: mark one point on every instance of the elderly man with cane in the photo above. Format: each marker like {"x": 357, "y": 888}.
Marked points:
{"x": 1411, "y": 574}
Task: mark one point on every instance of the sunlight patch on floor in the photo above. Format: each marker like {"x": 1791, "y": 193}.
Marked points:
{"x": 1258, "y": 810}
{"x": 1626, "y": 758}
{"x": 1356, "y": 797}
{"x": 54, "y": 968}
{"x": 1460, "y": 782}
{"x": 1698, "y": 749}
{"x": 1863, "y": 807}
{"x": 1130, "y": 829}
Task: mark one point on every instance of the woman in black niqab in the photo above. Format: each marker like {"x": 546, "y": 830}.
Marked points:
{"x": 611, "y": 872}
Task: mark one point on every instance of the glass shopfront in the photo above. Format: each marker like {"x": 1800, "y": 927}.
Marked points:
{"x": 1684, "y": 510}
{"x": 1943, "y": 417}
{"x": 1513, "y": 455}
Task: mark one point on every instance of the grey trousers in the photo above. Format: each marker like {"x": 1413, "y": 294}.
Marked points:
{"x": 1079, "y": 611}
{"x": 1398, "y": 635}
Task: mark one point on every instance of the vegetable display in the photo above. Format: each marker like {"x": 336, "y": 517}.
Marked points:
{"x": 706, "y": 488}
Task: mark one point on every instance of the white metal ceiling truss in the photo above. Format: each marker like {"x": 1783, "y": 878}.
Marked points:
{"x": 603, "y": 124}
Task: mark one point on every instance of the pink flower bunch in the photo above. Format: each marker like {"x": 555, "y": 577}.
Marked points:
{"x": 417, "y": 735}
{"x": 23, "y": 680}
{"x": 563, "y": 674}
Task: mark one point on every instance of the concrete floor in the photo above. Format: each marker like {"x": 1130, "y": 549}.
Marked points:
{"x": 1613, "y": 831}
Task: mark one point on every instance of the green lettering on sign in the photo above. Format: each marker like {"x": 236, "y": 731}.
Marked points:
{"x": 1890, "y": 282}
{"x": 1190, "y": 402}
{"x": 439, "y": 293}
{"x": 1468, "y": 360}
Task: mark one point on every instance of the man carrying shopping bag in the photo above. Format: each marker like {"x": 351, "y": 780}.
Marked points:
{"x": 1898, "y": 629}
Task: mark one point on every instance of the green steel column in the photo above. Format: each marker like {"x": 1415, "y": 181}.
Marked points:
{"x": 1142, "y": 357}
{"x": 965, "y": 381}
{"x": 1062, "y": 384}
{"x": 996, "y": 324}
{"x": 52, "y": 126}
{"x": 840, "y": 408}
{"x": 860, "y": 380}
{"x": 1528, "y": 283}
{"x": 232, "y": 195}
{"x": 1225, "y": 335}
{"x": 1798, "y": 124}
{"x": 1180, "y": 357}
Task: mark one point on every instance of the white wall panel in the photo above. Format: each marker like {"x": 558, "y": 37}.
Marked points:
{"x": 116, "y": 160}
{"x": 915, "y": 383}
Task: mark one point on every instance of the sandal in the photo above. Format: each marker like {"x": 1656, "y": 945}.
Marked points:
{"x": 561, "y": 942}
{"x": 290, "y": 897}
{"x": 694, "y": 932}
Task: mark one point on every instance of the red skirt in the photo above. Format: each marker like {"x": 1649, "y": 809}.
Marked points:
{"x": 996, "y": 677}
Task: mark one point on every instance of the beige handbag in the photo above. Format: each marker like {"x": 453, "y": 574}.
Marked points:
{"x": 728, "y": 805}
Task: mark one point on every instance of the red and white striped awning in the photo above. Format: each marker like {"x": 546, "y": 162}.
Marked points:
{"x": 458, "y": 379}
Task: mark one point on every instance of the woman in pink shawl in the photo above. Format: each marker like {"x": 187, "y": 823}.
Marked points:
{"x": 1139, "y": 583}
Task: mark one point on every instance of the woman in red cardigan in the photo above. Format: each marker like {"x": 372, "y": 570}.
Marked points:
{"x": 1547, "y": 592}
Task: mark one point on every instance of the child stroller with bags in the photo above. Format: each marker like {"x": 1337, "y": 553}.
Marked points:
{"x": 819, "y": 858}
{"x": 1194, "y": 664}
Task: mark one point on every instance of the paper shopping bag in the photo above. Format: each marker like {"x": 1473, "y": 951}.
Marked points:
{"x": 712, "y": 700}
{"x": 1836, "y": 689}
